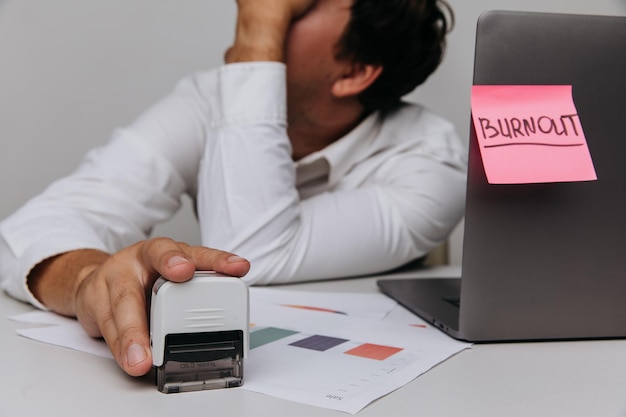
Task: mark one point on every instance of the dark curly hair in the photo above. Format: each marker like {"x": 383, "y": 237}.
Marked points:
{"x": 405, "y": 37}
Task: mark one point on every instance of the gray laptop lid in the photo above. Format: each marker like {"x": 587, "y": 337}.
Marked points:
{"x": 548, "y": 261}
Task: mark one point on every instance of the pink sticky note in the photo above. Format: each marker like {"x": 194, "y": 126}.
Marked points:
{"x": 530, "y": 134}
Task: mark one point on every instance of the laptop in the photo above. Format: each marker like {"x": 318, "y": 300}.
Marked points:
{"x": 544, "y": 261}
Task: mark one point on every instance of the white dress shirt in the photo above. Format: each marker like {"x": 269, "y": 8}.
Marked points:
{"x": 386, "y": 193}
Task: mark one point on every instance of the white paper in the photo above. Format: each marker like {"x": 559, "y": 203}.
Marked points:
{"x": 62, "y": 331}
{"x": 335, "y": 350}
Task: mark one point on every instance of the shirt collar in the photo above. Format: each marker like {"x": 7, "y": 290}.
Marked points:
{"x": 354, "y": 147}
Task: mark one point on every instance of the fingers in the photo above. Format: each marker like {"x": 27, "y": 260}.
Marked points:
{"x": 111, "y": 303}
{"x": 177, "y": 261}
{"x": 216, "y": 260}
{"x": 166, "y": 257}
{"x": 127, "y": 331}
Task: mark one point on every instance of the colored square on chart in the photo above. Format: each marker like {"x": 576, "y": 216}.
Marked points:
{"x": 372, "y": 351}
{"x": 319, "y": 343}
{"x": 268, "y": 335}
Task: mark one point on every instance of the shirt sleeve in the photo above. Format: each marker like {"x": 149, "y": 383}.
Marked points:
{"x": 119, "y": 191}
{"x": 248, "y": 202}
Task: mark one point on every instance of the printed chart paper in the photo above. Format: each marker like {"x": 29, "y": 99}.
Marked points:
{"x": 530, "y": 134}
{"x": 337, "y": 351}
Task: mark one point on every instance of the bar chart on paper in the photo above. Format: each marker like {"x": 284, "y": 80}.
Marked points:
{"x": 321, "y": 343}
{"x": 325, "y": 355}
{"x": 336, "y": 368}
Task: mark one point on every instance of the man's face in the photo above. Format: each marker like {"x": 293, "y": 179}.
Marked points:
{"x": 310, "y": 57}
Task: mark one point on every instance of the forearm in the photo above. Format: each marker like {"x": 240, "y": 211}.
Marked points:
{"x": 386, "y": 211}
{"x": 55, "y": 281}
{"x": 247, "y": 193}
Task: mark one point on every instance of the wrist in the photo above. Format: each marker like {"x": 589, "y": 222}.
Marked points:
{"x": 260, "y": 35}
{"x": 56, "y": 281}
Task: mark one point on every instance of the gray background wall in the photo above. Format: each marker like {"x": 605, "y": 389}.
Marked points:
{"x": 71, "y": 71}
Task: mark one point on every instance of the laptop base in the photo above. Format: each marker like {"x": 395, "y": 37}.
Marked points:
{"x": 433, "y": 299}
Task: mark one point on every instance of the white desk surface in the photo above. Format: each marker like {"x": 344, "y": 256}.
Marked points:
{"x": 570, "y": 379}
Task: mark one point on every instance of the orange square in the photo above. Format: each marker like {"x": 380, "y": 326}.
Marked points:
{"x": 372, "y": 351}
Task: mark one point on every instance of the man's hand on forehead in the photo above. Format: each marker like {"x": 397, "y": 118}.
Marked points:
{"x": 262, "y": 27}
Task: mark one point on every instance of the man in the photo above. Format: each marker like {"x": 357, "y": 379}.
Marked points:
{"x": 298, "y": 152}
